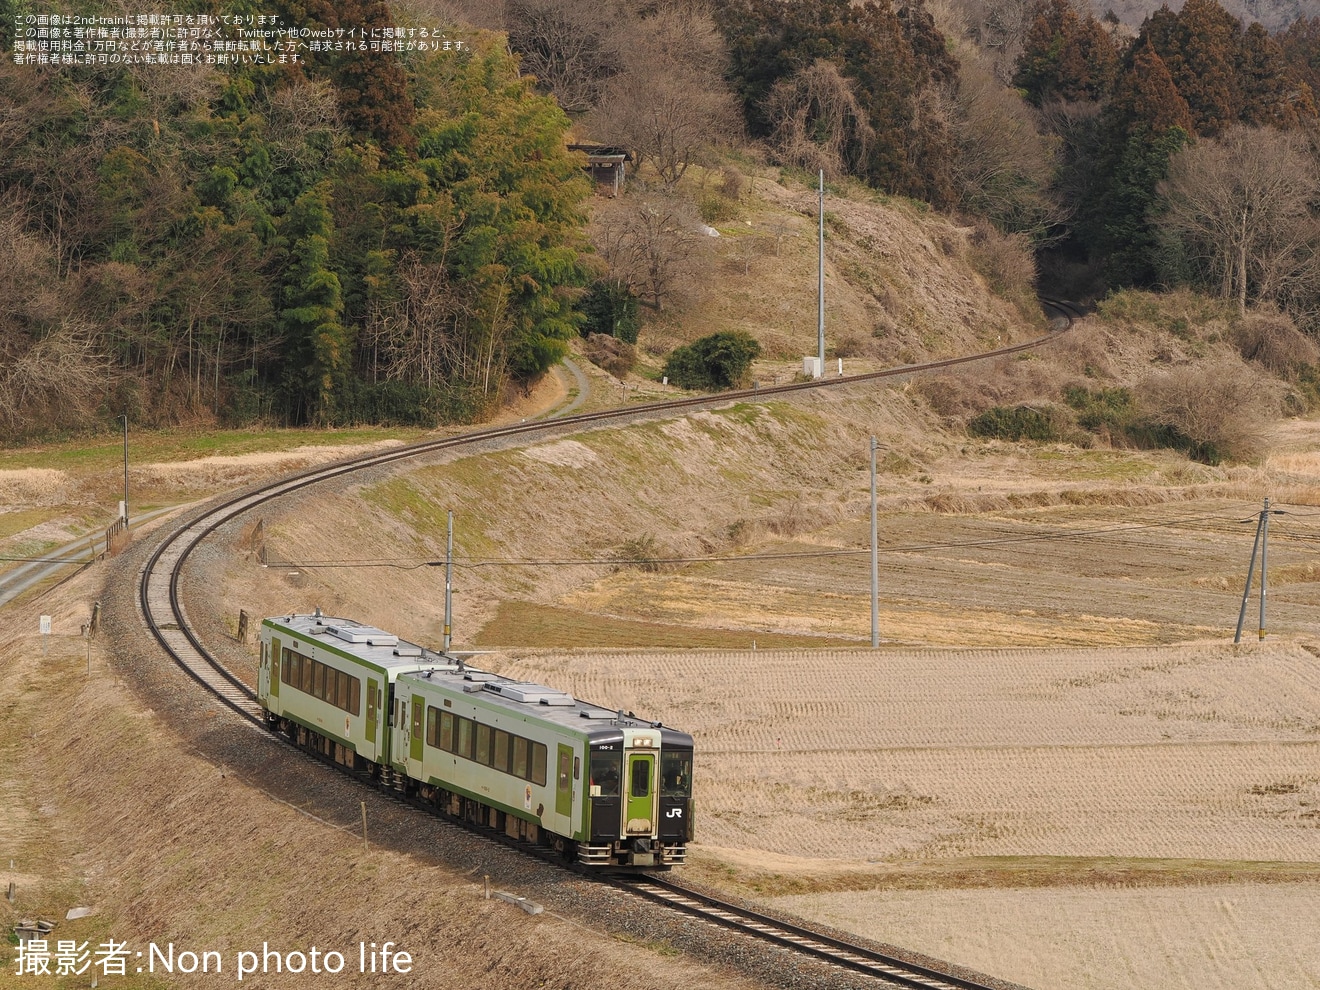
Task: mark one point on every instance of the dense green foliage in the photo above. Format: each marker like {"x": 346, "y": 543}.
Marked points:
{"x": 610, "y": 308}
{"x": 715, "y": 363}
{"x": 305, "y": 244}
{"x": 1014, "y": 423}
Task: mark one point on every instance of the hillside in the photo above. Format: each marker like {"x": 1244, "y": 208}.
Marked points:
{"x": 1273, "y": 15}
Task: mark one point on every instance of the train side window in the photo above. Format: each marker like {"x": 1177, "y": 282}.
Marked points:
{"x": 465, "y": 737}
{"x": 306, "y": 666}
{"x": 354, "y": 696}
{"x": 287, "y": 668}
{"x": 483, "y": 744}
{"x": 520, "y": 758}
{"x": 318, "y": 680}
{"x": 538, "y": 763}
{"x": 432, "y": 727}
{"x": 447, "y": 731}
{"x": 501, "y": 751}
{"x": 577, "y": 768}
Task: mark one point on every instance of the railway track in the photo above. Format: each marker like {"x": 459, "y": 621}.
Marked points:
{"x": 847, "y": 955}
{"x": 161, "y": 606}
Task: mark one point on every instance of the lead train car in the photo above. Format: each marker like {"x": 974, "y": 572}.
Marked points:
{"x": 607, "y": 789}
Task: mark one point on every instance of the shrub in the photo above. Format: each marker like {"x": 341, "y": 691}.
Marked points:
{"x": 615, "y": 356}
{"x": 1273, "y": 340}
{"x": 1015, "y": 423}
{"x": 1212, "y": 411}
{"x": 716, "y": 208}
{"x": 1102, "y": 410}
{"x": 721, "y": 361}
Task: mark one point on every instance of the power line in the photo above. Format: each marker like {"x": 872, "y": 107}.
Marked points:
{"x": 473, "y": 563}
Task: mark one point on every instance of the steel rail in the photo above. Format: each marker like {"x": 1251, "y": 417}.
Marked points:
{"x": 794, "y": 937}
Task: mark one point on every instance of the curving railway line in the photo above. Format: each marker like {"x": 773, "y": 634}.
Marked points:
{"x": 162, "y": 610}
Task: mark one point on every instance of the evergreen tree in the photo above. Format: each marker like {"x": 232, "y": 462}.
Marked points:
{"x": 1066, "y": 58}
{"x": 316, "y": 343}
{"x": 1147, "y": 122}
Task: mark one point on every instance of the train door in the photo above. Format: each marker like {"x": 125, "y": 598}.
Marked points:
{"x": 641, "y": 793}
{"x": 373, "y": 703}
{"x": 399, "y": 731}
{"x": 416, "y": 720}
{"x": 263, "y": 673}
{"x": 275, "y": 657}
{"x": 564, "y": 782}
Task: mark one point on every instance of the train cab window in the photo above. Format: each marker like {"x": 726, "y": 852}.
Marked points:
{"x": 520, "y": 758}
{"x": 539, "y": 761}
{"x": 676, "y": 774}
{"x": 501, "y": 751}
{"x": 605, "y": 768}
{"x": 447, "y": 731}
{"x": 641, "y": 778}
{"x": 484, "y": 744}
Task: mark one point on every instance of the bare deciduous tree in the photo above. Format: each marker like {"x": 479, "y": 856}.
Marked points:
{"x": 1242, "y": 205}
{"x": 818, "y": 122}
{"x": 1004, "y": 165}
{"x": 647, "y": 244}
{"x": 570, "y": 46}
{"x": 670, "y": 105}
{"x": 57, "y": 380}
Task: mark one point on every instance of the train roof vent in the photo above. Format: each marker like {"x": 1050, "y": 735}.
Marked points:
{"x": 479, "y": 676}
{"x": 364, "y": 634}
{"x": 600, "y": 713}
{"x": 532, "y": 694}
{"x": 407, "y": 650}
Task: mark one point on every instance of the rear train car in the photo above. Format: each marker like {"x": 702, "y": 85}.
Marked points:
{"x": 601, "y": 786}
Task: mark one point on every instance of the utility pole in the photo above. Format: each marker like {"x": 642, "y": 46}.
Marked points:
{"x": 1261, "y": 543}
{"x": 449, "y": 589}
{"x": 875, "y": 561}
{"x": 124, "y": 417}
{"x": 820, "y": 284}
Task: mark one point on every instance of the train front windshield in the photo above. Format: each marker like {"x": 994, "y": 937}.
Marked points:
{"x": 605, "y": 771}
{"x": 676, "y": 774}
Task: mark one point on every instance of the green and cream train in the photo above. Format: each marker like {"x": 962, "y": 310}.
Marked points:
{"x": 600, "y": 786}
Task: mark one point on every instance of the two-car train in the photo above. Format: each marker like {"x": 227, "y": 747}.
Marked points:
{"x": 600, "y": 786}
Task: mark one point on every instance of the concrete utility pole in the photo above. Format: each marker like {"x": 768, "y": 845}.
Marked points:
{"x": 1261, "y": 543}
{"x": 449, "y": 588}
{"x": 124, "y": 417}
{"x": 820, "y": 284}
{"x": 875, "y": 561}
